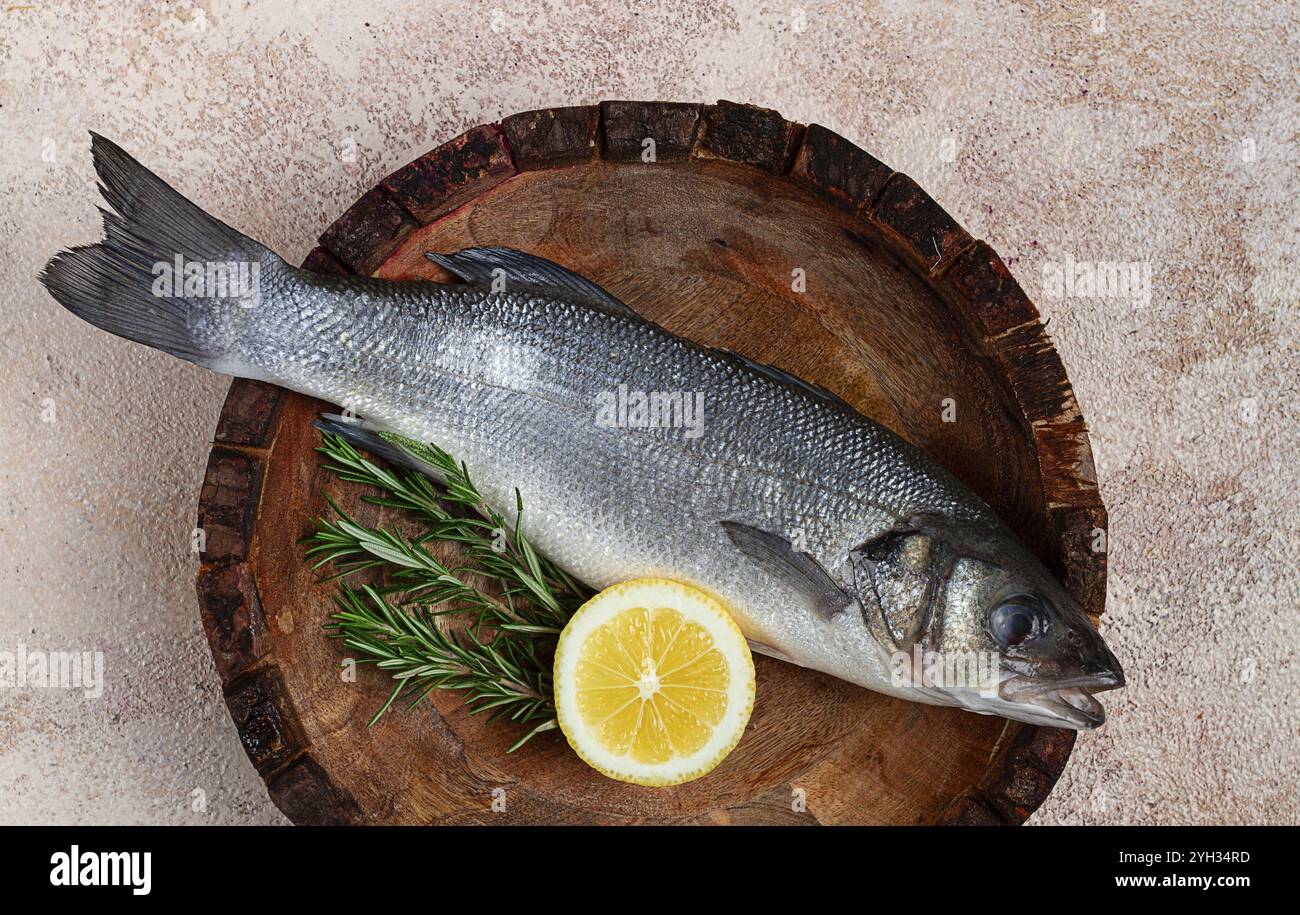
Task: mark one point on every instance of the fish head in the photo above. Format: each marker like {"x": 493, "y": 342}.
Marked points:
{"x": 996, "y": 631}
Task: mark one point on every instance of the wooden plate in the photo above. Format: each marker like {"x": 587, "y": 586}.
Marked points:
{"x": 734, "y": 227}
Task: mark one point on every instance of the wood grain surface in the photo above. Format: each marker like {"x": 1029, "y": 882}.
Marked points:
{"x": 901, "y": 312}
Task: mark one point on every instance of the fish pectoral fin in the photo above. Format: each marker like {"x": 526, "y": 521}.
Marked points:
{"x": 388, "y": 446}
{"x": 485, "y": 266}
{"x": 798, "y": 570}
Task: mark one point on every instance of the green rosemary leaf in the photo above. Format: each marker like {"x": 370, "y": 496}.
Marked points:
{"x": 406, "y": 624}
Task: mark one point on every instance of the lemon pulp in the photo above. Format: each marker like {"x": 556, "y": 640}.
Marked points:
{"x": 654, "y": 682}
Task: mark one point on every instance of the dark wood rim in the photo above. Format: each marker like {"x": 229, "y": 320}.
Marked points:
{"x": 967, "y": 274}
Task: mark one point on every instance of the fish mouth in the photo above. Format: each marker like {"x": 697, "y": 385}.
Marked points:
{"x": 1069, "y": 699}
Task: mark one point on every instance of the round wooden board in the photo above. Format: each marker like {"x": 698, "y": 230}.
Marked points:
{"x": 787, "y": 244}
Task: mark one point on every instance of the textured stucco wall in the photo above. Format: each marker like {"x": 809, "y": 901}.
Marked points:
{"x": 1165, "y": 135}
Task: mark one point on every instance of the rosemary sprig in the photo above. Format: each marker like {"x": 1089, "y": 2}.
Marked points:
{"x": 503, "y": 675}
{"x": 453, "y": 510}
{"x": 406, "y": 624}
{"x": 413, "y": 572}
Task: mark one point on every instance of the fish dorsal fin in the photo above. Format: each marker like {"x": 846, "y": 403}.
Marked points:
{"x": 480, "y": 266}
{"x": 798, "y": 570}
{"x": 773, "y": 373}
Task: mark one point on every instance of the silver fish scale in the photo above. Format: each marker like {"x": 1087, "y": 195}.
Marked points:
{"x": 509, "y": 383}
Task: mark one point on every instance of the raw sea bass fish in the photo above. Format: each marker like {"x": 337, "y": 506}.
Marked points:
{"x": 839, "y": 546}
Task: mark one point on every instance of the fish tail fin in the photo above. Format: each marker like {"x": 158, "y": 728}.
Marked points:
{"x": 167, "y": 274}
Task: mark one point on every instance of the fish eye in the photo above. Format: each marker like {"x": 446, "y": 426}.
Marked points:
{"x": 1017, "y": 620}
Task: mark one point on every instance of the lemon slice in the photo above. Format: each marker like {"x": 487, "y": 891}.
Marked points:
{"x": 654, "y": 682}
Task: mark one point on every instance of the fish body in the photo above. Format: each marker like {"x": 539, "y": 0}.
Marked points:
{"x": 513, "y": 385}
{"x": 838, "y": 545}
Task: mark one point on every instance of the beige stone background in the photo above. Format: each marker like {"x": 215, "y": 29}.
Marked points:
{"x": 1165, "y": 134}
